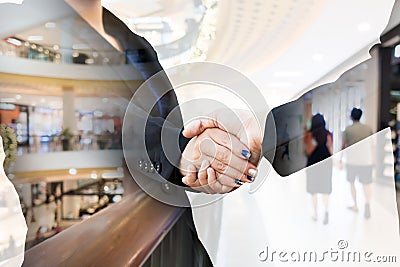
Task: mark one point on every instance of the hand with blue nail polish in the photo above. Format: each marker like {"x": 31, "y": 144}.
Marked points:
{"x": 241, "y": 123}
{"x": 227, "y": 157}
{"x": 205, "y": 180}
{"x": 246, "y": 154}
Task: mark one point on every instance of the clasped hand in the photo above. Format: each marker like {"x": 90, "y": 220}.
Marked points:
{"x": 223, "y": 152}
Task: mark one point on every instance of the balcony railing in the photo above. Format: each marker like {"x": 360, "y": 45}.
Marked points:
{"x": 15, "y": 47}
{"x": 129, "y": 233}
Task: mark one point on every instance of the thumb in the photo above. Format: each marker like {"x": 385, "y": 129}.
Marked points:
{"x": 196, "y": 127}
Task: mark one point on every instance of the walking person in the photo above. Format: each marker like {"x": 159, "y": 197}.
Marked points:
{"x": 318, "y": 147}
{"x": 358, "y": 166}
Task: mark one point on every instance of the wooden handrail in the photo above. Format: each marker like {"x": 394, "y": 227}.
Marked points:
{"x": 124, "y": 234}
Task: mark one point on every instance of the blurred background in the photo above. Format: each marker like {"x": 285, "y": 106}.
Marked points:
{"x": 64, "y": 89}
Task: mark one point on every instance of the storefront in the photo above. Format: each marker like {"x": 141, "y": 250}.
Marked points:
{"x": 389, "y": 81}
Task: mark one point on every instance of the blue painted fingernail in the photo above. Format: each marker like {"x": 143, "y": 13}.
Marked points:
{"x": 246, "y": 154}
{"x": 238, "y": 182}
{"x": 250, "y": 178}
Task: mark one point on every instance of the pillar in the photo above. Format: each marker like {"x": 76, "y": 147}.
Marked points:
{"x": 69, "y": 108}
{"x": 372, "y": 90}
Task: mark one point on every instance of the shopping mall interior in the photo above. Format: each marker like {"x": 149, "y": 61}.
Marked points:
{"x": 64, "y": 91}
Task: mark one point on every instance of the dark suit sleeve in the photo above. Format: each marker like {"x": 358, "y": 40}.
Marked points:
{"x": 276, "y": 139}
{"x": 159, "y": 102}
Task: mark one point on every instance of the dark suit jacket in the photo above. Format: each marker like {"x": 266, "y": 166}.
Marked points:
{"x": 155, "y": 110}
{"x": 159, "y": 101}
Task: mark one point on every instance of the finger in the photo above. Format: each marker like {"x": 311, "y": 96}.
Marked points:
{"x": 215, "y": 184}
{"x": 190, "y": 179}
{"x": 228, "y": 181}
{"x": 196, "y": 127}
{"x": 229, "y": 141}
{"x": 202, "y": 176}
{"x": 223, "y": 161}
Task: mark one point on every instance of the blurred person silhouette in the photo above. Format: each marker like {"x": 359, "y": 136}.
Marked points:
{"x": 318, "y": 147}
{"x": 356, "y": 166}
{"x": 286, "y": 138}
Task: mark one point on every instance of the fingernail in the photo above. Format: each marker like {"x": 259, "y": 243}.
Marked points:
{"x": 251, "y": 179}
{"x": 253, "y": 172}
{"x": 238, "y": 182}
{"x": 246, "y": 154}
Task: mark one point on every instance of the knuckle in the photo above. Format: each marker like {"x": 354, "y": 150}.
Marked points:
{"x": 219, "y": 165}
{"x": 218, "y": 177}
{"x": 225, "y": 141}
{"x": 222, "y": 155}
{"x": 203, "y": 180}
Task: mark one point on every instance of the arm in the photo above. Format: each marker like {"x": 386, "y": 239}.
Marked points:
{"x": 329, "y": 143}
{"x": 151, "y": 105}
{"x": 308, "y": 146}
{"x": 157, "y": 120}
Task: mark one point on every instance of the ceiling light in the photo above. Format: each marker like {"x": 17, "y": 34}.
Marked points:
{"x": 35, "y": 38}
{"x": 7, "y": 100}
{"x": 80, "y": 46}
{"x": 26, "y": 43}
{"x": 93, "y": 176}
{"x": 111, "y": 175}
{"x": 42, "y": 100}
{"x": 89, "y": 61}
{"x": 72, "y": 171}
{"x": 97, "y": 113}
{"x": 7, "y": 106}
{"x": 11, "y": 1}
{"x": 14, "y": 41}
{"x": 397, "y": 51}
{"x": 56, "y": 47}
{"x": 363, "y": 27}
{"x": 75, "y": 54}
{"x": 50, "y": 25}
{"x": 317, "y": 57}
{"x": 33, "y": 46}
{"x": 40, "y": 49}
{"x": 18, "y": 97}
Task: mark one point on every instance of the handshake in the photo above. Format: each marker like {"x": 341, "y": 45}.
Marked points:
{"x": 223, "y": 152}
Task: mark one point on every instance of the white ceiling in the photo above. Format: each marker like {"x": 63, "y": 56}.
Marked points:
{"x": 140, "y": 8}
{"x": 283, "y": 46}
{"x": 286, "y": 47}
